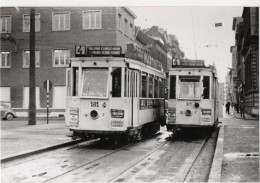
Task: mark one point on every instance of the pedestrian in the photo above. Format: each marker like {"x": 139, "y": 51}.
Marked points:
{"x": 227, "y": 107}
{"x": 242, "y": 110}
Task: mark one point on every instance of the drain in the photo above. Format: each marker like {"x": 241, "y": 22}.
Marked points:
{"x": 242, "y": 155}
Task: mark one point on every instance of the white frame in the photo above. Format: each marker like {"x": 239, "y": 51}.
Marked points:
{"x": 81, "y": 83}
{"x": 10, "y": 18}
{"x": 53, "y": 61}
{"x": 35, "y": 23}
{"x": 27, "y": 66}
{"x": 53, "y": 27}
{"x": 178, "y": 96}
{"x": 5, "y": 60}
{"x": 83, "y": 20}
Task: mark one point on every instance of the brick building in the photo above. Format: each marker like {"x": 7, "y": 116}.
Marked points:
{"x": 58, "y": 30}
{"x": 247, "y": 55}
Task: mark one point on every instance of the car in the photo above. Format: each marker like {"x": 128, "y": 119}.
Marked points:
{"x": 7, "y": 112}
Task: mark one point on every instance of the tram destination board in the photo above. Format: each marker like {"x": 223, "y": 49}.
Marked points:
{"x": 97, "y": 51}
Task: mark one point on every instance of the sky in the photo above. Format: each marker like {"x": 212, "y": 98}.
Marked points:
{"x": 195, "y": 30}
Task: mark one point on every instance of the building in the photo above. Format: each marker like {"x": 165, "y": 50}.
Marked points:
{"x": 58, "y": 31}
{"x": 169, "y": 41}
{"x": 228, "y": 88}
{"x": 247, "y": 55}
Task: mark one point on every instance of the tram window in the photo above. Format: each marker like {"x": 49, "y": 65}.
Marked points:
{"x": 172, "y": 87}
{"x": 69, "y": 82}
{"x": 150, "y": 86}
{"x": 75, "y": 81}
{"x": 116, "y": 82}
{"x": 189, "y": 87}
{"x": 126, "y": 84}
{"x": 95, "y": 82}
{"x": 206, "y": 87}
{"x": 160, "y": 88}
{"x": 156, "y": 87}
{"x": 144, "y": 84}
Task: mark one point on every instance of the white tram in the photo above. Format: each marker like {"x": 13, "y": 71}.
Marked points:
{"x": 111, "y": 97}
{"x": 193, "y": 95}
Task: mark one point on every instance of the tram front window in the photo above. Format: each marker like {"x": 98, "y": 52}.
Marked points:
{"x": 94, "y": 82}
{"x": 189, "y": 87}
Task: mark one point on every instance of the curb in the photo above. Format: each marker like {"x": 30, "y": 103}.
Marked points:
{"x": 38, "y": 150}
{"x": 245, "y": 118}
{"x": 215, "y": 171}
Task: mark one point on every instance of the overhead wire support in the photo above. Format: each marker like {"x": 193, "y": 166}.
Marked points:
{"x": 193, "y": 30}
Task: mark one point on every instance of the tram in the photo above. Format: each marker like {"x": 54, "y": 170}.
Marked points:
{"x": 193, "y": 95}
{"x": 114, "y": 96}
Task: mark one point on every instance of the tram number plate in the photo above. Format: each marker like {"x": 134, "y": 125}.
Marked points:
{"x": 73, "y": 118}
{"x": 94, "y": 104}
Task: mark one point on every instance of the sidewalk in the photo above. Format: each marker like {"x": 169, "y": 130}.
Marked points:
{"x": 237, "y": 153}
{"x": 24, "y": 139}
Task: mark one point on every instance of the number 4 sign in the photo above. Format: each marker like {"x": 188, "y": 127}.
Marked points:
{"x": 80, "y": 50}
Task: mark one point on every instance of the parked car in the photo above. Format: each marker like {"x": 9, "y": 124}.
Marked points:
{"x": 7, "y": 112}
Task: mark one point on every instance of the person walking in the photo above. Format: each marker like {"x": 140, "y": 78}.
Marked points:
{"x": 241, "y": 107}
{"x": 227, "y": 107}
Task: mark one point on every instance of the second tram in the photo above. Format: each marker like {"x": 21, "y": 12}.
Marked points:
{"x": 193, "y": 96}
{"x": 114, "y": 97}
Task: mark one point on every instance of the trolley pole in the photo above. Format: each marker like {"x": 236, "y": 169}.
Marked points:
{"x": 32, "y": 106}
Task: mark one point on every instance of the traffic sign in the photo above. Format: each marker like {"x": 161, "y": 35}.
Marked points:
{"x": 47, "y": 85}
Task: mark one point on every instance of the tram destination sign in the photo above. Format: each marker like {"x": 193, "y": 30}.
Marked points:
{"x": 98, "y": 51}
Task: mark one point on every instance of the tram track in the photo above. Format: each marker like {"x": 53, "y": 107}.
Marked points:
{"x": 95, "y": 160}
{"x": 138, "y": 171}
{"x": 197, "y": 157}
{"x": 100, "y": 161}
{"x": 139, "y": 160}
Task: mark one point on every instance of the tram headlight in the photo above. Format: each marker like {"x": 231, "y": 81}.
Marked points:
{"x": 188, "y": 112}
{"x": 94, "y": 114}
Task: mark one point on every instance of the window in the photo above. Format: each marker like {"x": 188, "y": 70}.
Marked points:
{"x": 161, "y": 88}
{"x": 119, "y": 21}
{"x": 59, "y": 96}
{"x": 5, "y": 60}
{"x": 5, "y": 23}
{"x": 126, "y": 83}
{"x": 126, "y": 27}
{"x": 189, "y": 87}
{"x": 206, "y": 87}
{"x": 5, "y": 95}
{"x": 132, "y": 30}
{"x": 26, "y": 97}
{"x": 116, "y": 82}
{"x": 75, "y": 83}
{"x": 61, "y": 21}
{"x": 26, "y": 58}
{"x": 144, "y": 85}
{"x": 61, "y": 57}
{"x": 172, "y": 87}
{"x": 92, "y": 19}
{"x": 156, "y": 87}
{"x": 26, "y": 23}
{"x": 150, "y": 86}
{"x": 95, "y": 82}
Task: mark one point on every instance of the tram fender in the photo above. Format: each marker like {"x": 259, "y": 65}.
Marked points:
{"x": 133, "y": 131}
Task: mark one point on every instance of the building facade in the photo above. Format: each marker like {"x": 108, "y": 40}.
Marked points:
{"x": 57, "y": 32}
{"x": 247, "y": 55}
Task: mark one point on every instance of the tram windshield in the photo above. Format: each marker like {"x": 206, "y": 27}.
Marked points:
{"x": 189, "y": 87}
{"x": 95, "y": 82}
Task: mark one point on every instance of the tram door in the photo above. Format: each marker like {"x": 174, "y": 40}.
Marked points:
{"x": 133, "y": 91}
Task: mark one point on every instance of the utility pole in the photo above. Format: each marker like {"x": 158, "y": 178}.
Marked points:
{"x": 32, "y": 106}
